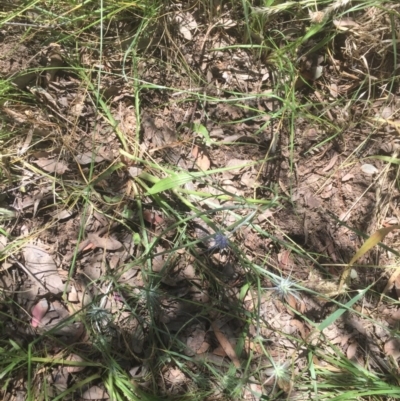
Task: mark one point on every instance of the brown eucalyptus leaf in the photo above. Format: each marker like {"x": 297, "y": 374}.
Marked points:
{"x": 225, "y": 344}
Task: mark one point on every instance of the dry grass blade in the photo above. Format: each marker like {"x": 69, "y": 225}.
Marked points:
{"x": 373, "y": 240}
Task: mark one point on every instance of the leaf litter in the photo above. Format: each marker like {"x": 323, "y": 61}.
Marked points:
{"x": 96, "y": 254}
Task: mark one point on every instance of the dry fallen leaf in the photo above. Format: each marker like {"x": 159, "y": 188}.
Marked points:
{"x": 43, "y": 267}
{"x": 186, "y": 23}
{"x": 347, "y": 177}
{"x": 63, "y": 214}
{"x": 135, "y": 171}
{"x": 75, "y": 358}
{"x": 352, "y": 350}
{"x": 300, "y": 327}
{"x": 248, "y": 179}
{"x": 95, "y": 393}
{"x": 52, "y": 165}
{"x": 195, "y": 341}
{"x": 3, "y": 242}
{"x": 226, "y": 345}
{"x": 392, "y": 348}
{"x": 227, "y": 23}
{"x": 331, "y": 163}
{"x": 240, "y": 164}
{"x": 334, "y": 90}
{"x": 152, "y": 217}
{"x": 88, "y": 158}
{"x": 59, "y": 379}
{"x": 38, "y": 311}
{"x": 202, "y": 160}
{"x": 369, "y": 169}
{"x": 108, "y": 243}
{"x": 345, "y": 23}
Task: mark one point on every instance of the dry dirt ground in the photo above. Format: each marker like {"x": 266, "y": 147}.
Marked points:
{"x": 79, "y": 211}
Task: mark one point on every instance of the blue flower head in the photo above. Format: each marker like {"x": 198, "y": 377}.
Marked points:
{"x": 221, "y": 241}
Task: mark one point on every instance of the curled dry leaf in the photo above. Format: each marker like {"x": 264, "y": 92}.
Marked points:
{"x": 52, "y": 165}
